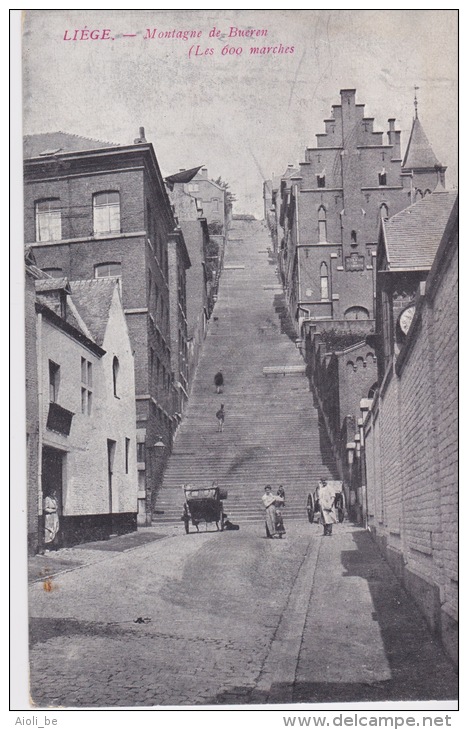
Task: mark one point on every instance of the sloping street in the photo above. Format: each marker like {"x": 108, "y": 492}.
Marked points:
{"x": 226, "y": 619}
{"x": 162, "y": 618}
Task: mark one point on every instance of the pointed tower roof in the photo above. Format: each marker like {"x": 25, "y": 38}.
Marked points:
{"x": 419, "y": 153}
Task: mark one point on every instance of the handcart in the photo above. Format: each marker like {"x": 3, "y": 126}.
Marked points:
{"x": 203, "y": 504}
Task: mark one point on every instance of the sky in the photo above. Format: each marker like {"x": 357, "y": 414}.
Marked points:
{"x": 243, "y": 115}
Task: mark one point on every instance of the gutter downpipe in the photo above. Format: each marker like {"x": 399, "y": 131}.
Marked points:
{"x": 40, "y": 399}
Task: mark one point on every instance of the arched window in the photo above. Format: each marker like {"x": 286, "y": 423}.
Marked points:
{"x": 418, "y": 194}
{"x": 427, "y": 192}
{"x": 373, "y": 390}
{"x": 106, "y": 212}
{"x": 115, "y": 374}
{"x": 356, "y": 313}
{"x": 48, "y": 220}
{"x": 324, "y": 284}
{"x": 322, "y": 224}
{"x": 384, "y": 211}
{"x": 107, "y": 270}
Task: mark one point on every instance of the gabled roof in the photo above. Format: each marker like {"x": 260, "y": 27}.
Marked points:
{"x": 92, "y": 299}
{"x": 50, "y": 143}
{"x": 413, "y": 235}
{"x": 419, "y": 153}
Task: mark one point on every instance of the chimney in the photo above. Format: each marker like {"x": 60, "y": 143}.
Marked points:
{"x": 204, "y": 172}
{"x": 181, "y": 169}
{"x": 141, "y": 139}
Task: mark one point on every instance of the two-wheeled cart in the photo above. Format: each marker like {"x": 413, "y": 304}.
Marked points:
{"x": 203, "y": 504}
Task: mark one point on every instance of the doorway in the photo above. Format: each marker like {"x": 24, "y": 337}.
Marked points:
{"x": 110, "y": 471}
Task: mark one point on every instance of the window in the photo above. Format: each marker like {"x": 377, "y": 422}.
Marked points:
{"x": 193, "y": 188}
{"x": 151, "y": 365}
{"x": 382, "y": 177}
{"x": 106, "y": 212}
{"x": 107, "y": 270}
{"x": 54, "y": 381}
{"x": 321, "y": 180}
{"x": 55, "y": 272}
{"x": 48, "y": 220}
{"x": 115, "y": 374}
{"x": 86, "y": 386}
{"x": 384, "y": 211}
{"x": 141, "y": 452}
{"x": 356, "y": 313}
{"x": 322, "y": 224}
{"x": 127, "y": 454}
{"x": 353, "y": 237}
{"x": 324, "y": 288}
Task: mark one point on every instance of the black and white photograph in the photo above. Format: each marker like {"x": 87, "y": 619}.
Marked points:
{"x": 240, "y": 325}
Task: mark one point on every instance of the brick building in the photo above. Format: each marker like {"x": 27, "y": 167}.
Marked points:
{"x": 199, "y": 277}
{"x": 94, "y": 210}
{"x": 331, "y": 206}
{"x": 212, "y": 198}
{"x": 86, "y": 405}
{"x": 410, "y": 429}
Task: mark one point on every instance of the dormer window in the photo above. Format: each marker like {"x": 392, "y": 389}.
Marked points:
{"x": 48, "y": 220}
{"x": 106, "y": 212}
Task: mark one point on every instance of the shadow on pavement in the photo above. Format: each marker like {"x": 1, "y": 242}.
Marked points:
{"x": 43, "y": 629}
{"x": 420, "y": 668}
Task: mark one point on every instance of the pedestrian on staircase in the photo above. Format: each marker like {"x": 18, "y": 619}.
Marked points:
{"x": 220, "y": 416}
{"x": 219, "y": 381}
{"x": 325, "y": 496}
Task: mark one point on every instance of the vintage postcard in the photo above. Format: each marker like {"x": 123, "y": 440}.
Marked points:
{"x": 241, "y": 265}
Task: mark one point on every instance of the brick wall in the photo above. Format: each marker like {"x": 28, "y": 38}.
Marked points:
{"x": 412, "y": 453}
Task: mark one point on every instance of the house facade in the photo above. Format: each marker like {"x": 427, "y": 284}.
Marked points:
{"x": 92, "y": 211}
{"x": 86, "y": 405}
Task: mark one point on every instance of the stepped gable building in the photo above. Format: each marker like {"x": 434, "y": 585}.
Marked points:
{"x": 86, "y": 404}
{"x": 331, "y": 207}
{"x": 410, "y": 427}
{"x": 96, "y": 210}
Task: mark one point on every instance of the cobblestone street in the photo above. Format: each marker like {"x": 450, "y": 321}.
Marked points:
{"x": 229, "y": 618}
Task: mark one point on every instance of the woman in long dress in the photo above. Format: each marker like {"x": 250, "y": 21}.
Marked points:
{"x": 325, "y": 496}
{"x": 270, "y": 502}
{"x": 51, "y": 522}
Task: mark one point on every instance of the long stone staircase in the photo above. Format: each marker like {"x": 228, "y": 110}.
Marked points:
{"x": 272, "y": 432}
